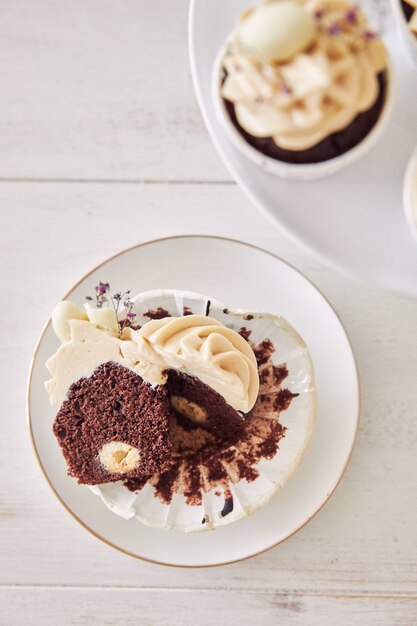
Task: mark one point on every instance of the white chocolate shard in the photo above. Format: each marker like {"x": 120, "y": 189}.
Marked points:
{"x": 62, "y": 314}
{"x": 103, "y": 318}
{"x": 277, "y": 31}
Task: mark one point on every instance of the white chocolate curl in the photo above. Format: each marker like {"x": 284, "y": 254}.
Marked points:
{"x": 202, "y": 347}
{"x": 277, "y": 31}
{"x": 62, "y": 314}
{"x": 103, "y": 318}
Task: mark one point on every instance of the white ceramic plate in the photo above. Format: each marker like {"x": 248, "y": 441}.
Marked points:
{"x": 352, "y": 220}
{"x": 244, "y": 277}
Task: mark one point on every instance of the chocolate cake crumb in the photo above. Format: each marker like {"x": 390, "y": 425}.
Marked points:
{"x": 187, "y": 311}
{"x": 244, "y": 332}
{"x": 127, "y": 323}
{"x": 263, "y": 351}
{"x": 271, "y": 377}
{"x": 283, "y": 399}
{"x": 208, "y": 308}
{"x": 157, "y": 314}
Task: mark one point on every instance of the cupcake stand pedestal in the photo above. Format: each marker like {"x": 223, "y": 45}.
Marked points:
{"x": 353, "y": 220}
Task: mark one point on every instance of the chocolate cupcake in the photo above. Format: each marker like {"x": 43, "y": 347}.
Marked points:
{"x": 177, "y": 410}
{"x": 302, "y": 88}
{"x": 119, "y": 383}
{"x": 242, "y": 392}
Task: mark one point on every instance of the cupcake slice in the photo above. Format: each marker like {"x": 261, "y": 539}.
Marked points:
{"x": 301, "y": 82}
{"x": 201, "y": 406}
{"x": 113, "y": 425}
{"x": 178, "y": 410}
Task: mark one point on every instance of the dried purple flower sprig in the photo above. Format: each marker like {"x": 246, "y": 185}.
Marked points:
{"x": 101, "y": 290}
{"x": 349, "y": 23}
{"x": 119, "y": 298}
{"x": 129, "y": 319}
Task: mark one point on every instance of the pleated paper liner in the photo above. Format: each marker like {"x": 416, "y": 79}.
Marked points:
{"x": 213, "y": 484}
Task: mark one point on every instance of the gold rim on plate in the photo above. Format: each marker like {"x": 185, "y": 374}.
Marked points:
{"x": 93, "y": 532}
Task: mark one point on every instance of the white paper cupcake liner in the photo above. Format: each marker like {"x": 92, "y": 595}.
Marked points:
{"x": 295, "y": 171}
{"x": 214, "y": 511}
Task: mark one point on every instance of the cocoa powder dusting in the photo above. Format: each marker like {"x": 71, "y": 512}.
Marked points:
{"x": 203, "y": 461}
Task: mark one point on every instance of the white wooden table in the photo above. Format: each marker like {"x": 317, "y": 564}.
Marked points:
{"x": 102, "y": 146}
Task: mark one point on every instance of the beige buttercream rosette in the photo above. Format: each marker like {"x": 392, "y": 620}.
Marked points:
{"x": 326, "y": 83}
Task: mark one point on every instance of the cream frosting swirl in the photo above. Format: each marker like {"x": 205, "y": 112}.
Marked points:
{"x": 86, "y": 348}
{"x": 319, "y": 91}
{"x": 198, "y": 345}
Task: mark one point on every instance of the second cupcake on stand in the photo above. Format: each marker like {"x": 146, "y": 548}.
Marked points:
{"x": 303, "y": 88}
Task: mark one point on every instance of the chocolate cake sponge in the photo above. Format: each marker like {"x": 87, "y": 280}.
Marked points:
{"x": 332, "y": 146}
{"x": 114, "y": 405}
{"x": 203, "y": 406}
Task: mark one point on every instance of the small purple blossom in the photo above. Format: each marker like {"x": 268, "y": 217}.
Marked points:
{"x": 101, "y": 290}
{"x": 351, "y": 15}
{"x": 369, "y": 34}
{"x": 286, "y": 89}
{"x": 117, "y": 300}
{"x": 319, "y": 14}
{"x": 334, "y": 29}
